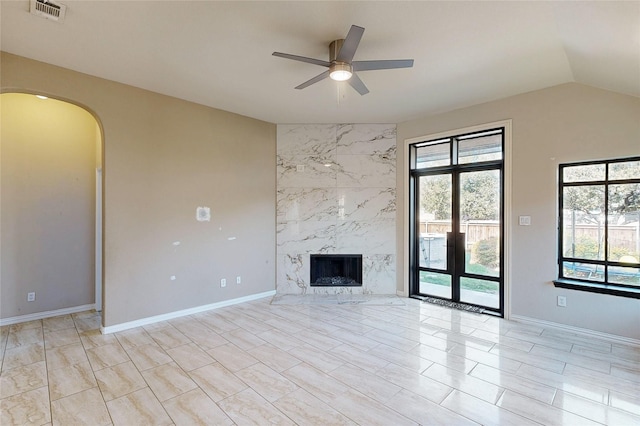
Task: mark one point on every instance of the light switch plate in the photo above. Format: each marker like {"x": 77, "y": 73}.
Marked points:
{"x": 524, "y": 220}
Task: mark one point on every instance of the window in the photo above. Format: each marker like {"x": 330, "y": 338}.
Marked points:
{"x": 599, "y": 232}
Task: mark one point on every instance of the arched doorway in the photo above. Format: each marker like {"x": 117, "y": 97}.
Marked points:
{"x": 50, "y": 152}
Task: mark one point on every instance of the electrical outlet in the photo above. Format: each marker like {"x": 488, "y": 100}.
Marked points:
{"x": 238, "y": 279}
{"x": 172, "y": 277}
{"x": 223, "y": 282}
{"x": 562, "y": 301}
{"x": 31, "y": 297}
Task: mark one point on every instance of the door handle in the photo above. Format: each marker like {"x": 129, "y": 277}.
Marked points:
{"x": 460, "y": 251}
{"x": 455, "y": 251}
{"x": 451, "y": 246}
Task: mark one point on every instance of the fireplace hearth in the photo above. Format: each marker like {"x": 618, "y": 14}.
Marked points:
{"x": 336, "y": 270}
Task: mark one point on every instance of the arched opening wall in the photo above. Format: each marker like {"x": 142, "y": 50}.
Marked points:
{"x": 163, "y": 159}
{"x": 50, "y": 151}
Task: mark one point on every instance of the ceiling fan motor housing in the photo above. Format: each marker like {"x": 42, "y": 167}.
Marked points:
{"x": 334, "y": 49}
{"x": 338, "y": 70}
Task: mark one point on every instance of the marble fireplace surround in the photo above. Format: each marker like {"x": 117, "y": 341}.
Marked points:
{"x": 336, "y": 195}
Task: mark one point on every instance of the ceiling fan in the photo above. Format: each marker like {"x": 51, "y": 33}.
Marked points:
{"x": 341, "y": 65}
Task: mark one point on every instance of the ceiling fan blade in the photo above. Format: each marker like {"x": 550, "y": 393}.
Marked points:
{"x": 357, "y": 84}
{"x": 350, "y": 44}
{"x": 302, "y": 59}
{"x": 382, "y": 65}
{"x": 315, "y": 79}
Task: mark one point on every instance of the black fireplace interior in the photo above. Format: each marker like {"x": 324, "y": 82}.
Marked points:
{"x": 336, "y": 270}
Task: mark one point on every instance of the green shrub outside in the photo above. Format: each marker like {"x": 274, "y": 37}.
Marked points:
{"x": 485, "y": 252}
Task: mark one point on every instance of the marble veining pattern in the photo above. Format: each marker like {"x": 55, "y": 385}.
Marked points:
{"x": 366, "y": 203}
{"x": 306, "y": 204}
{"x": 379, "y": 271}
{"x": 313, "y": 140}
{"x": 342, "y": 200}
{"x": 365, "y": 171}
{"x": 370, "y": 237}
{"x": 306, "y": 237}
{"x": 292, "y": 271}
{"x": 315, "y": 172}
{"x": 366, "y": 139}
{"x": 335, "y": 290}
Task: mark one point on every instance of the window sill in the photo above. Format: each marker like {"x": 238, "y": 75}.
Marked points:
{"x": 598, "y": 288}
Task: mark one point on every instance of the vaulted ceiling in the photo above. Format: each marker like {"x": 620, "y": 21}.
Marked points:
{"x": 219, "y": 53}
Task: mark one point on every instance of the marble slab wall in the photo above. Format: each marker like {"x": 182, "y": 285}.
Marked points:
{"x": 336, "y": 195}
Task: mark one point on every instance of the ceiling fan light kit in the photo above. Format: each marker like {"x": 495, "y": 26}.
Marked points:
{"x": 341, "y": 65}
{"x": 340, "y": 71}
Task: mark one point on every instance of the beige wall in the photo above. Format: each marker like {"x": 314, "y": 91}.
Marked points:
{"x": 565, "y": 123}
{"x": 48, "y": 151}
{"x": 164, "y": 157}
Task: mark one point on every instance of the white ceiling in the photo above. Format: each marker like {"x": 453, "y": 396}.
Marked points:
{"x": 219, "y": 53}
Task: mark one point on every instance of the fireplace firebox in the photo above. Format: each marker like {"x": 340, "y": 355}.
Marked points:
{"x": 336, "y": 270}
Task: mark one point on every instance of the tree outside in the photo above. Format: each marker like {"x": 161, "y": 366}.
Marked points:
{"x": 584, "y": 212}
{"x": 480, "y": 200}
{"x": 479, "y": 215}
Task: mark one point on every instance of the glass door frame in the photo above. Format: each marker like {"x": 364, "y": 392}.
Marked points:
{"x": 455, "y": 250}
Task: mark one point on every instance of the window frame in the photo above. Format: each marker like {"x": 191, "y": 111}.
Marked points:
{"x": 586, "y": 284}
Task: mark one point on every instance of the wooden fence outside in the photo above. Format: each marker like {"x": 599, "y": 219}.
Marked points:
{"x": 622, "y": 236}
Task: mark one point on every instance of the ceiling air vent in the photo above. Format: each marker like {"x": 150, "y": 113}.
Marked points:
{"x": 48, "y": 9}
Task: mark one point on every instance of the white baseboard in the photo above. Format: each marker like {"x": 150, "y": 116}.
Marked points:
{"x": 176, "y": 314}
{"x": 46, "y": 314}
{"x": 584, "y": 331}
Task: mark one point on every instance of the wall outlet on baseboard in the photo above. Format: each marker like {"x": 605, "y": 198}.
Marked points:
{"x": 223, "y": 282}
{"x": 31, "y": 296}
{"x": 562, "y": 301}
{"x": 238, "y": 280}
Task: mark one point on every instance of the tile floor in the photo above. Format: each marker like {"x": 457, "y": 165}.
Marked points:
{"x": 258, "y": 363}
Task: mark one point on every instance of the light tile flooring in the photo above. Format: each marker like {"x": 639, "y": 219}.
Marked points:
{"x": 257, "y": 363}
